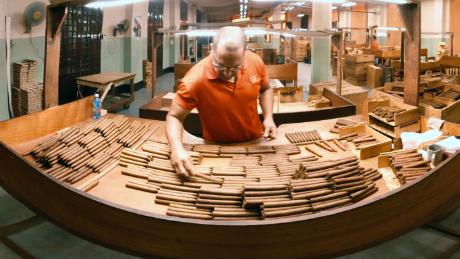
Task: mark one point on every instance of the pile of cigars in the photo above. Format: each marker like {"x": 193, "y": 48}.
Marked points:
{"x": 408, "y": 165}
{"x": 387, "y": 113}
{"x": 78, "y": 152}
{"x": 260, "y": 182}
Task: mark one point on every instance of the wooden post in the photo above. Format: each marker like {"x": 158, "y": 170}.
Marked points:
{"x": 411, "y": 16}
{"x": 54, "y": 20}
{"x": 338, "y": 41}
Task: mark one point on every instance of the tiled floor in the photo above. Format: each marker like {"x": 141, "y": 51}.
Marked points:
{"x": 46, "y": 240}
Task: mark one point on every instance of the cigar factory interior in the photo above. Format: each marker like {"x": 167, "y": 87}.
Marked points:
{"x": 230, "y": 129}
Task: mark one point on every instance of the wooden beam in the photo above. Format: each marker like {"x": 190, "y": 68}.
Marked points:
{"x": 54, "y": 20}
{"x": 411, "y": 17}
{"x": 338, "y": 41}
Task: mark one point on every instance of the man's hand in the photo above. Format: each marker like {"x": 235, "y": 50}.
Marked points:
{"x": 182, "y": 163}
{"x": 270, "y": 129}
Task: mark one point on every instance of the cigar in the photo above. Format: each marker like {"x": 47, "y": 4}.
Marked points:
{"x": 312, "y": 151}
{"x": 280, "y": 213}
{"x": 332, "y": 204}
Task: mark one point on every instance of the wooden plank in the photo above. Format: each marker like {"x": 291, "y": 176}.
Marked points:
{"x": 54, "y": 20}
{"x": 39, "y": 124}
{"x": 411, "y": 16}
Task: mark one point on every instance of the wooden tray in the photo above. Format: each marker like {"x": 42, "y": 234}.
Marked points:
{"x": 368, "y": 151}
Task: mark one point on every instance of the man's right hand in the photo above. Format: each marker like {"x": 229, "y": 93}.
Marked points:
{"x": 182, "y": 163}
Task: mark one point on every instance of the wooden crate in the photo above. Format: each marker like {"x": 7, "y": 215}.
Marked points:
{"x": 374, "y": 76}
{"x": 364, "y": 58}
{"x": 410, "y": 115}
{"x": 450, "y": 113}
{"x": 407, "y": 121}
{"x": 384, "y": 145}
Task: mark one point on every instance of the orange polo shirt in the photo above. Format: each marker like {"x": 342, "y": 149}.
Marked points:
{"x": 228, "y": 111}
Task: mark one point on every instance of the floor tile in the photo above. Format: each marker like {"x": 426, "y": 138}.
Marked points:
{"x": 49, "y": 241}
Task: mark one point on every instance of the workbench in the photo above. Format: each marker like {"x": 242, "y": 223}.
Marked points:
{"x": 107, "y": 81}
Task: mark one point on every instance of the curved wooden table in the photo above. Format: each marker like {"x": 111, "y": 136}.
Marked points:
{"x": 334, "y": 232}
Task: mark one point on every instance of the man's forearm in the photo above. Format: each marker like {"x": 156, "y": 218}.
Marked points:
{"x": 266, "y": 103}
{"x": 174, "y": 132}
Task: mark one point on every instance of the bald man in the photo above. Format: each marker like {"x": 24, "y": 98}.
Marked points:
{"x": 224, "y": 87}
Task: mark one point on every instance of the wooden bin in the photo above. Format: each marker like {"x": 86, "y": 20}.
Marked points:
{"x": 384, "y": 145}
{"x": 404, "y": 121}
{"x": 450, "y": 113}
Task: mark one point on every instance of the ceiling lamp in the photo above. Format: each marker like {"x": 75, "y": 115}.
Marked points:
{"x": 111, "y": 3}
{"x": 300, "y": 15}
{"x": 348, "y": 4}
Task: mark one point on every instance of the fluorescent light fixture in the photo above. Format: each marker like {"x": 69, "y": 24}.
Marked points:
{"x": 111, "y": 3}
{"x": 395, "y": 1}
{"x": 254, "y": 32}
{"x": 300, "y": 15}
{"x": 334, "y": 8}
{"x": 348, "y": 4}
{"x": 199, "y": 33}
{"x": 390, "y": 29}
{"x": 382, "y": 34}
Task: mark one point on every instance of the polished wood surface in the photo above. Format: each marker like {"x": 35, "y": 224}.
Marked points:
{"x": 36, "y": 125}
{"x": 103, "y": 79}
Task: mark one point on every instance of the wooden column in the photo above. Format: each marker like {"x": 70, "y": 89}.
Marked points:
{"x": 338, "y": 41}
{"x": 411, "y": 17}
{"x": 54, "y": 20}
{"x": 157, "y": 41}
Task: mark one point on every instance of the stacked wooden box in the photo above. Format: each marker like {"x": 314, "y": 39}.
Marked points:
{"x": 285, "y": 50}
{"x": 147, "y": 73}
{"x": 355, "y": 69}
{"x": 27, "y": 94}
{"x": 299, "y": 49}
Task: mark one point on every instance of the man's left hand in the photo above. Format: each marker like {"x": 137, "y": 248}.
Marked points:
{"x": 270, "y": 129}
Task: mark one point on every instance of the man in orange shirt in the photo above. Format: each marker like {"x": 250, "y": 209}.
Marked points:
{"x": 224, "y": 87}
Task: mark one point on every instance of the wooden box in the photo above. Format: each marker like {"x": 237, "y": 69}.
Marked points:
{"x": 388, "y": 54}
{"x": 290, "y": 94}
{"x": 374, "y": 76}
{"x": 368, "y": 151}
{"x": 364, "y": 58}
{"x": 407, "y": 121}
{"x": 450, "y": 113}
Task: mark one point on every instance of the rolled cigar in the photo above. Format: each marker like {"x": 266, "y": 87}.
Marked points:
{"x": 329, "y": 145}
{"x": 90, "y": 186}
{"x": 219, "y": 197}
{"x": 332, "y": 204}
{"x": 175, "y": 198}
{"x": 311, "y": 194}
{"x": 424, "y": 169}
{"x": 179, "y": 188}
{"x": 264, "y": 187}
{"x": 221, "y": 191}
{"x": 177, "y": 194}
{"x": 348, "y": 179}
{"x": 405, "y": 155}
{"x": 142, "y": 187}
{"x": 163, "y": 180}
{"x": 349, "y": 184}
{"x": 136, "y": 174}
{"x": 300, "y": 188}
{"x": 236, "y": 218}
{"x": 219, "y": 202}
{"x": 328, "y": 197}
{"x": 312, "y": 151}
{"x": 322, "y": 145}
{"x": 356, "y": 141}
{"x": 374, "y": 177}
{"x": 348, "y": 136}
{"x": 416, "y": 164}
{"x": 217, "y": 213}
{"x": 211, "y": 179}
{"x": 366, "y": 194}
{"x": 213, "y": 206}
{"x": 187, "y": 215}
{"x": 275, "y": 204}
{"x": 199, "y": 185}
{"x": 191, "y": 211}
{"x": 354, "y": 188}
{"x": 265, "y": 193}
{"x": 339, "y": 144}
{"x": 279, "y": 213}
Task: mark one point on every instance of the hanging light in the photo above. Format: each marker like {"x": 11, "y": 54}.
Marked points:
{"x": 111, "y": 3}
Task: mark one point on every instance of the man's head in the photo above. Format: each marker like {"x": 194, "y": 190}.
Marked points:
{"x": 227, "y": 51}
